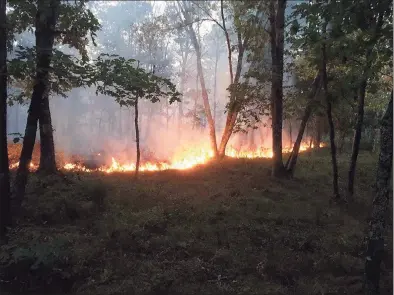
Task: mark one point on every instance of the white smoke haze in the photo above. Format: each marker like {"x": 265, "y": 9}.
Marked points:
{"x": 86, "y": 123}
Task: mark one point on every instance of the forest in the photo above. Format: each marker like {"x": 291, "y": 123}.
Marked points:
{"x": 196, "y": 147}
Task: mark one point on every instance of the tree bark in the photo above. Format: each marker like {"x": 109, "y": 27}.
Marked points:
{"x": 329, "y": 118}
{"x": 137, "y": 138}
{"x": 46, "y": 18}
{"x": 292, "y": 160}
{"x": 380, "y": 206}
{"x": 277, "y": 22}
{"x": 360, "y": 108}
{"x": 47, "y": 145}
{"x": 5, "y": 212}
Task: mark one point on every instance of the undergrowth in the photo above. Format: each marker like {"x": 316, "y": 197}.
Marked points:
{"x": 223, "y": 228}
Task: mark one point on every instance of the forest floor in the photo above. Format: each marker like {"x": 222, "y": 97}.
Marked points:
{"x": 221, "y": 228}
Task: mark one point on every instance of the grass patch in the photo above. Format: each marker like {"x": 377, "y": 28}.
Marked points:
{"x": 223, "y": 228}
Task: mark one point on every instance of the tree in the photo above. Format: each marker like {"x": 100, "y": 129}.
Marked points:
{"x": 243, "y": 17}
{"x": 292, "y": 160}
{"x": 74, "y": 24}
{"x": 329, "y": 113}
{"x": 128, "y": 84}
{"x": 185, "y": 10}
{"x": 5, "y": 212}
{"x": 380, "y": 206}
{"x": 46, "y": 18}
{"x": 277, "y": 23}
{"x": 376, "y": 16}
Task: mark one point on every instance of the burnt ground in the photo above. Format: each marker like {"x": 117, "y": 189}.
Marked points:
{"x": 222, "y": 228}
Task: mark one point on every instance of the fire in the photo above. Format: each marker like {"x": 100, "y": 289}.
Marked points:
{"x": 184, "y": 159}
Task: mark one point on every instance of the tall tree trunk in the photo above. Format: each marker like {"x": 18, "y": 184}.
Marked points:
{"x": 182, "y": 89}
{"x": 120, "y": 122}
{"x": 252, "y": 145}
{"x": 47, "y": 145}
{"x": 357, "y": 139}
{"x": 5, "y": 212}
{"x": 195, "y": 125}
{"x": 292, "y": 160}
{"x": 380, "y": 206}
{"x": 329, "y": 118}
{"x": 215, "y": 83}
{"x": 207, "y": 108}
{"x": 137, "y": 138}
{"x": 360, "y": 108}
{"x": 17, "y": 117}
{"x": 46, "y": 18}
{"x": 234, "y": 104}
{"x": 290, "y": 133}
{"x": 277, "y": 22}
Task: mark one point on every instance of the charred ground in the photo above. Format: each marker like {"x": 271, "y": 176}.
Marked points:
{"x": 222, "y": 228}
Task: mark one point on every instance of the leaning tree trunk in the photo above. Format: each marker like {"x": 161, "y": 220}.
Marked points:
{"x": 46, "y": 18}
{"x": 292, "y": 160}
{"x": 47, "y": 145}
{"x": 357, "y": 139}
{"x": 234, "y": 104}
{"x": 380, "y": 206}
{"x": 192, "y": 34}
{"x": 277, "y": 23}
{"x": 5, "y": 212}
{"x": 330, "y": 119}
{"x": 360, "y": 110}
{"x": 137, "y": 138}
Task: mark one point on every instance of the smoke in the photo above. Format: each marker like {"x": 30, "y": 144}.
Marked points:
{"x": 86, "y": 123}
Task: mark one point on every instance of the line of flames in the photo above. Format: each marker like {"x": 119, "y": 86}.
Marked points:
{"x": 185, "y": 160}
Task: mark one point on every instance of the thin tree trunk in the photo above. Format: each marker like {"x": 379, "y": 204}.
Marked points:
{"x": 380, "y": 206}
{"x": 233, "y": 105}
{"x": 215, "y": 84}
{"x": 195, "y": 104}
{"x": 357, "y": 139}
{"x": 17, "y": 117}
{"x": 182, "y": 89}
{"x": 120, "y": 122}
{"x": 252, "y": 145}
{"x": 290, "y": 133}
{"x": 5, "y": 212}
{"x": 46, "y": 19}
{"x": 292, "y": 160}
{"x": 47, "y": 145}
{"x": 137, "y": 138}
{"x": 330, "y": 119}
{"x": 207, "y": 108}
{"x": 360, "y": 109}
{"x": 277, "y": 19}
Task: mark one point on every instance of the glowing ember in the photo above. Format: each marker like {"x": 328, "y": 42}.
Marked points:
{"x": 182, "y": 160}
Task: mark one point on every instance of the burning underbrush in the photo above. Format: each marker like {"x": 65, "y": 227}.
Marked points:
{"x": 103, "y": 161}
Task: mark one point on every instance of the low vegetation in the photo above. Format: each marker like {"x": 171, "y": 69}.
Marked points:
{"x": 224, "y": 228}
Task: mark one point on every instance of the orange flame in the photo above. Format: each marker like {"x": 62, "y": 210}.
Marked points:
{"x": 182, "y": 160}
